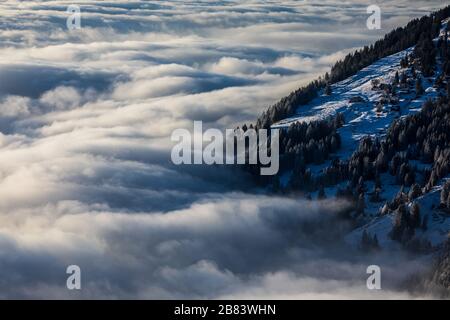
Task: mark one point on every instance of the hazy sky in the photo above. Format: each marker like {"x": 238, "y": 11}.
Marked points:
{"x": 85, "y": 120}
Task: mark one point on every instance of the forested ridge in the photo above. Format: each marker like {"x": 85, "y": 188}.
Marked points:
{"x": 395, "y": 41}
{"x": 409, "y": 159}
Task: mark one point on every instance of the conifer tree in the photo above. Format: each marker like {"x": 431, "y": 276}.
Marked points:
{"x": 328, "y": 90}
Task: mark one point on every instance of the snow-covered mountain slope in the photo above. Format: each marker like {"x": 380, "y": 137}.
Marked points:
{"x": 369, "y": 107}
{"x": 360, "y": 85}
{"x": 436, "y": 232}
{"x": 357, "y": 98}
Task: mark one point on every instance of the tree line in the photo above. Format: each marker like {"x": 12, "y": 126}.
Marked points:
{"x": 417, "y": 31}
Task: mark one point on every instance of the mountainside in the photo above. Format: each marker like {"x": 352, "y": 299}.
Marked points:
{"x": 369, "y": 106}
{"x": 394, "y": 42}
{"x": 380, "y": 139}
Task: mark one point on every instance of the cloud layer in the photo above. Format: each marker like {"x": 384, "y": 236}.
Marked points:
{"x": 85, "y": 123}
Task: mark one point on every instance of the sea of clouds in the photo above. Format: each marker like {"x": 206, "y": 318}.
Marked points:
{"x": 85, "y": 172}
